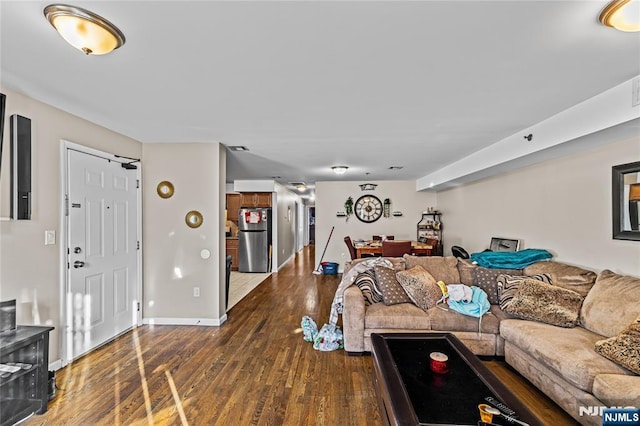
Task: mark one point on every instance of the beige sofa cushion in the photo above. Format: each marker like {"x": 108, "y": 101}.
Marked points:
{"x": 451, "y": 320}
{"x": 616, "y": 390}
{"x": 465, "y": 269}
{"x": 401, "y": 316}
{"x": 442, "y": 268}
{"x": 568, "y": 352}
{"x": 563, "y": 275}
{"x": 612, "y": 304}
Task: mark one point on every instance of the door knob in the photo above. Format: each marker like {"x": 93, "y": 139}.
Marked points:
{"x": 78, "y": 264}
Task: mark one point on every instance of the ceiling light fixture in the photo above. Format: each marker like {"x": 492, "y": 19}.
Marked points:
{"x": 623, "y": 15}
{"x": 396, "y": 167}
{"x": 84, "y": 30}
{"x": 339, "y": 170}
{"x": 238, "y": 148}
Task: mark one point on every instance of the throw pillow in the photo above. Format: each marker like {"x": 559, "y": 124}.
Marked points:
{"x": 368, "y": 284}
{"x": 420, "y": 286}
{"x": 441, "y": 268}
{"x": 487, "y": 279}
{"x": 392, "y": 291}
{"x": 538, "y": 301}
{"x": 612, "y": 304}
{"x": 623, "y": 348}
{"x": 505, "y": 279}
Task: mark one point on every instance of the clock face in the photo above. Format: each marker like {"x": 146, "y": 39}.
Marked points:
{"x": 368, "y": 208}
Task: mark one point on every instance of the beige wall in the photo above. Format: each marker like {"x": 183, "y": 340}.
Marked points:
{"x": 29, "y": 270}
{"x": 562, "y": 205}
{"x": 173, "y": 265}
{"x": 330, "y": 199}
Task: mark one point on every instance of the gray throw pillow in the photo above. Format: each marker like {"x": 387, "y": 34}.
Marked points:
{"x": 487, "y": 279}
{"x": 392, "y": 291}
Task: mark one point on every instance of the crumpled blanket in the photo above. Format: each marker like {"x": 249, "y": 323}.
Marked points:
{"x": 510, "y": 260}
{"x": 348, "y": 278}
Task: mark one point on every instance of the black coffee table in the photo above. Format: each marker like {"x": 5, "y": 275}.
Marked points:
{"x": 409, "y": 393}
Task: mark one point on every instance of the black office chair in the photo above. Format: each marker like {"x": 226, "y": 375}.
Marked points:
{"x": 459, "y": 252}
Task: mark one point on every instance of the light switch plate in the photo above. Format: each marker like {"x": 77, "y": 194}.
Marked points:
{"x": 49, "y": 238}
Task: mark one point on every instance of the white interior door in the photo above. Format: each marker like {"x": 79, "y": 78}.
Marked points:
{"x": 102, "y": 251}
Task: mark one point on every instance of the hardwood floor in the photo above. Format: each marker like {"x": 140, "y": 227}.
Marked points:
{"x": 254, "y": 369}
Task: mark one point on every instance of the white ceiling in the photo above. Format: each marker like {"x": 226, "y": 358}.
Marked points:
{"x": 310, "y": 84}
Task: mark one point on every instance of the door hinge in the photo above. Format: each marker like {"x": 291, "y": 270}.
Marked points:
{"x": 66, "y": 205}
{"x": 138, "y": 306}
{"x": 138, "y": 245}
{"x": 137, "y": 183}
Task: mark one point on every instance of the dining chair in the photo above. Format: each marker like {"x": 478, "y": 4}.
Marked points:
{"x": 395, "y": 248}
{"x": 379, "y": 237}
{"x": 351, "y": 247}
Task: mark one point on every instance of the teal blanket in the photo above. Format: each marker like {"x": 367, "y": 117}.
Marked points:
{"x": 510, "y": 260}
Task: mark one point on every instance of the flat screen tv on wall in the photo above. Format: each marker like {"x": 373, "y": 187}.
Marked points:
{"x": 3, "y": 99}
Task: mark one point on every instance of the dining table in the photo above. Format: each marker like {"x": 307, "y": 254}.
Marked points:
{"x": 375, "y": 247}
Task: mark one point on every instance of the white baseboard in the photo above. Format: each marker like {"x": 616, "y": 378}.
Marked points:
{"x": 186, "y": 321}
{"x": 55, "y": 365}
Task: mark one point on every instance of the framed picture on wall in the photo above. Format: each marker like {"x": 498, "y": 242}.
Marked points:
{"x": 504, "y": 244}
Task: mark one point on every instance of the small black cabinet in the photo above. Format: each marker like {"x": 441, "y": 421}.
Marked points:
{"x": 26, "y": 391}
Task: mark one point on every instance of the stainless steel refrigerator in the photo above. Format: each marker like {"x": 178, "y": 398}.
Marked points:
{"x": 254, "y": 251}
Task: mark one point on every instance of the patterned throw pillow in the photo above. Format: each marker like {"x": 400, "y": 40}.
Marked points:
{"x": 487, "y": 279}
{"x": 392, "y": 291}
{"x": 538, "y": 301}
{"x": 368, "y": 284}
{"x": 623, "y": 348}
{"x": 420, "y": 286}
{"x": 506, "y": 280}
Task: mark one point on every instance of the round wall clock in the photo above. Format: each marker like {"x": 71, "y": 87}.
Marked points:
{"x": 368, "y": 208}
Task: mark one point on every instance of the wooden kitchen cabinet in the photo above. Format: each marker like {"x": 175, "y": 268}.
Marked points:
{"x": 255, "y": 199}
{"x": 232, "y": 250}
{"x": 233, "y": 205}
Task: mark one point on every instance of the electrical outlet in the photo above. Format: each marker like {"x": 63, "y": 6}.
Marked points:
{"x": 196, "y": 292}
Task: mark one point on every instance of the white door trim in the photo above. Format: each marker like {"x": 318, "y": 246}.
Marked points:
{"x": 65, "y": 146}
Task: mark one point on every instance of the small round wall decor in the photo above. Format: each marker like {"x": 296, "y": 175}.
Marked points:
{"x": 193, "y": 219}
{"x": 165, "y": 189}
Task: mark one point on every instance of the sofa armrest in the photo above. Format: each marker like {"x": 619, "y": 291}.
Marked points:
{"x": 353, "y": 319}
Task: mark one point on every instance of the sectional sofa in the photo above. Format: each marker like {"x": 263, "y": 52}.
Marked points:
{"x": 561, "y": 361}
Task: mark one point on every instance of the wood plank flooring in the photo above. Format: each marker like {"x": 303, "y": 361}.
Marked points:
{"x": 255, "y": 369}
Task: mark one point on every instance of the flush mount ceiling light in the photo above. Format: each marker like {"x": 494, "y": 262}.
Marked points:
{"x": 238, "y": 148}
{"x": 623, "y": 15}
{"x": 339, "y": 170}
{"x": 84, "y": 30}
{"x": 300, "y": 186}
